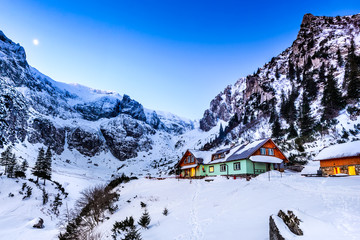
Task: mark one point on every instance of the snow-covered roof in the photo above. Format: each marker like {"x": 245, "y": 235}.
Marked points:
{"x": 265, "y": 159}
{"x": 189, "y": 166}
{"x": 245, "y": 151}
{"x": 349, "y": 149}
{"x": 201, "y": 156}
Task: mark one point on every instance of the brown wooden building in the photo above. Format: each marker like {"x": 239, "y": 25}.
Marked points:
{"x": 340, "y": 158}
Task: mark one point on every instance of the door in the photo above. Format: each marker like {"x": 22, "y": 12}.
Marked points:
{"x": 351, "y": 170}
{"x": 192, "y": 172}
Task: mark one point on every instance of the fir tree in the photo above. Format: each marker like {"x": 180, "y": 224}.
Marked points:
{"x": 352, "y": 74}
{"x": 306, "y": 120}
{"x": 291, "y": 70}
{"x": 145, "y": 220}
{"x": 308, "y": 64}
{"x": 6, "y": 158}
{"x": 221, "y": 132}
{"x": 322, "y": 76}
{"x": 310, "y": 86}
{"x": 47, "y": 165}
{"x": 11, "y": 167}
{"x": 165, "y": 212}
{"x": 292, "y": 131}
{"x": 276, "y": 128}
{"x": 24, "y": 166}
{"x": 332, "y": 99}
{"x": 39, "y": 167}
{"x": 340, "y": 60}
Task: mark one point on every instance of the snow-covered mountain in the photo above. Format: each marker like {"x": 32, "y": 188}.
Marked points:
{"x": 326, "y": 48}
{"x": 73, "y": 119}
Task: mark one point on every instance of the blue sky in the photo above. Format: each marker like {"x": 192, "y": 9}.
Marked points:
{"x": 168, "y": 55}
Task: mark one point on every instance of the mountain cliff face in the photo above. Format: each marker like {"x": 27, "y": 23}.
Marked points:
{"x": 35, "y": 109}
{"x": 296, "y": 88}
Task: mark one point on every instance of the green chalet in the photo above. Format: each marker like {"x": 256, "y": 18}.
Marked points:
{"x": 242, "y": 160}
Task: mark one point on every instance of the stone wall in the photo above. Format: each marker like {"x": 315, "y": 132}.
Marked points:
{"x": 343, "y": 169}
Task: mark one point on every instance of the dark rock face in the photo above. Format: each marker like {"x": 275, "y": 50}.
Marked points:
{"x": 39, "y": 224}
{"x": 13, "y": 115}
{"x": 87, "y": 143}
{"x": 132, "y": 108}
{"x": 274, "y": 233}
{"x": 102, "y": 108}
{"x": 45, "y": 132}
{"x": 125, "y": 136}
{"x": 208, "y": 121}
{"x": 153, "y": 120}
{"x": 291, "y": 221}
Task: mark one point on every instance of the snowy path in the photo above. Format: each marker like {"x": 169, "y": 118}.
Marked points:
{"x": 196, "y": 233}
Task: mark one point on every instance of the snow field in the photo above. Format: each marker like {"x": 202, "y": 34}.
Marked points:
{"x": 236, "y": 209}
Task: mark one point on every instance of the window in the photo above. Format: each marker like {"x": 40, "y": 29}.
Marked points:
{"x": 271, "y": 151}
{"x": 222, "y": 167}
{"x": 211, "y": 169}
{"x": 185, "y": 161}
{"x": 263, "y": 151}
{"x": 237, "y": 166}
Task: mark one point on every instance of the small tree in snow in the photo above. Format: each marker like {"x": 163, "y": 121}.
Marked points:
{"x": 145, "y": 220}
{"x": 165, "y": 212}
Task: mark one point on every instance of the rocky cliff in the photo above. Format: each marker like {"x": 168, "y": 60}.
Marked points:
{"x": 326, "y": 48}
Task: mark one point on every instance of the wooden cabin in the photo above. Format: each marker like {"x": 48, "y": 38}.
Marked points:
{"x": 340, "y": 158}
{"x": 246, "y": 159}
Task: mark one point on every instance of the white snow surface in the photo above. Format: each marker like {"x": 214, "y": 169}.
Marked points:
{"x": 265, "y": 159}
{"x": 329, "y": 208}
{"x": 348, "y": 149}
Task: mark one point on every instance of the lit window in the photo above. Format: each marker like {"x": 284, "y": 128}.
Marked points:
{"x": 263, "y": 151}
{"x": 271, "y": 151}
{"x": 222, "y": 167}
{"x": 237, "y": 166}
{"x": 211, "y": 169}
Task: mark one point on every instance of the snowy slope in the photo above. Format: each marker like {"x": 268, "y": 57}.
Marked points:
{"x": 237, "y": 209}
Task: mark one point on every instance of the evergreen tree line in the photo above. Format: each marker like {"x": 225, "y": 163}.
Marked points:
{"x": 13, "y": 169}
{"x": 332, "y": 100}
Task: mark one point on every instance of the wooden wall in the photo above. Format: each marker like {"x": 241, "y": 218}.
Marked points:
{"x": 340, "y": 161}
{"x": 277, "y": 152}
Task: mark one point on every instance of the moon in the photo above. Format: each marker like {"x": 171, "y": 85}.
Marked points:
{"x": 35, "y": 42}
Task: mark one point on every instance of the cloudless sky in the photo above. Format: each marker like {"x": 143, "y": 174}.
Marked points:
{"x": 171, "y": 55}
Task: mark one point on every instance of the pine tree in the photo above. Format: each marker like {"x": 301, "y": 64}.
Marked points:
{"x": 276, "y": 128}
{"x": 39, "y": 167}
{"x": 145, "y": 220}
{"x": 292, "y": 131}
{"x": 352, "y": 74}
{"x": 24, "y": 166}
{"x": 308, "y": 64}
{"x": 291, "y": 70}
{"x": 306, "y": 121}
{"x": 6, "y": 158}
{"x": 47, "y": 165}
{"x": 221, "y": 132}
{"x": 310, "y": 86}
{"x": 340, "y": 60}
{"x": 332, "y": 99}
{"x": 322, "y": 76}
{"x": 11, "y": 166}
